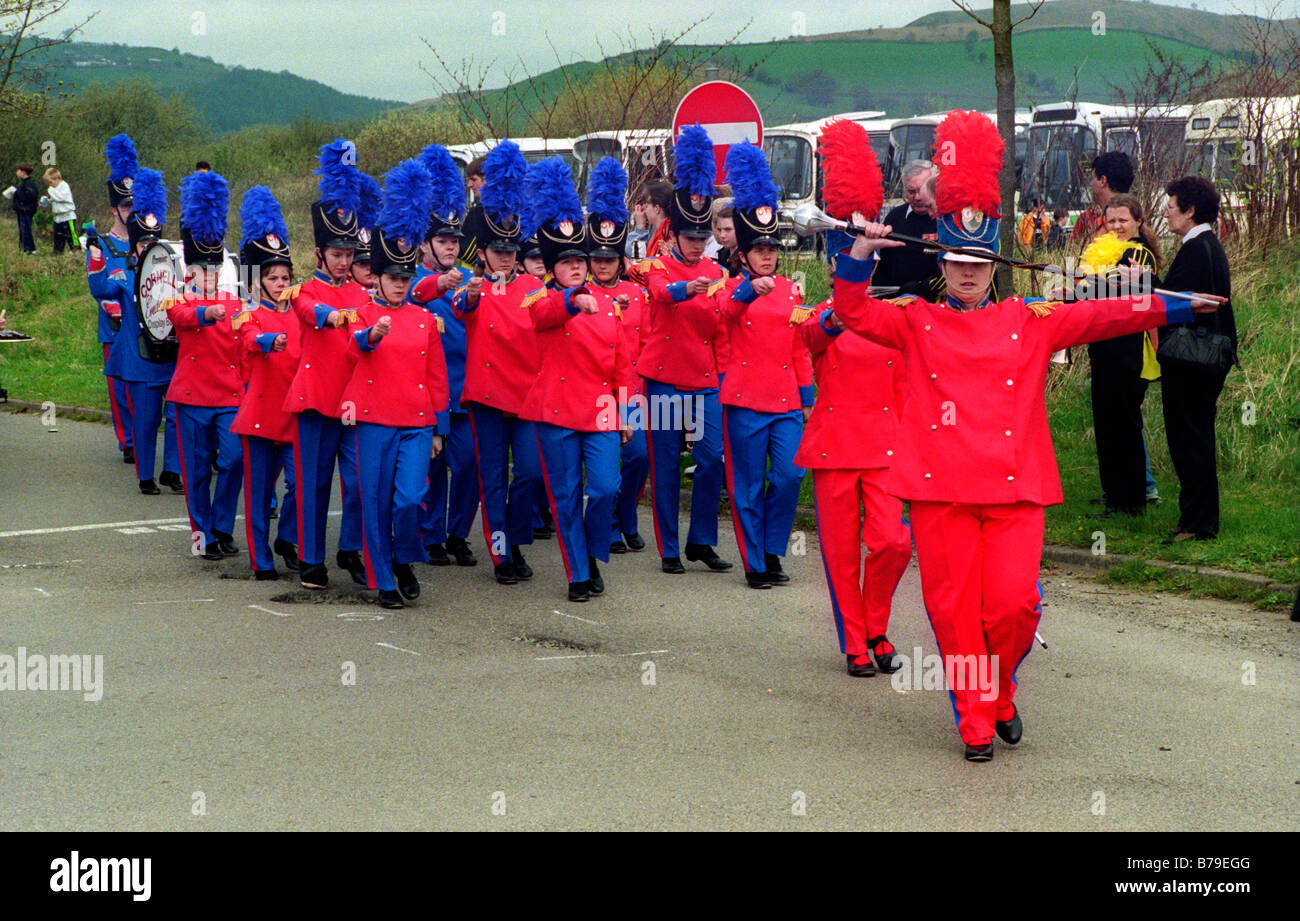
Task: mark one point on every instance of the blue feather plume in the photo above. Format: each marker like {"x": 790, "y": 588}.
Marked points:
{"x": 694, "y": 167}
{"x": 340, "y": 184}
{"x": 260, "y": 214}
{"x": 448, "y": 198}
{"x": 368, "y": 201}
{"x": 149, "y": 194}
{"x": 607, "y": 191}
{"x": 120, "y": 154}
{"x": 503, "y": 175}
{"x": 404, "y": 211}
{"x": 551, "y": 195}
{"x": 528, "y": 221}
{"x": 750, "y": 178}
{"x": 205, "y": 203}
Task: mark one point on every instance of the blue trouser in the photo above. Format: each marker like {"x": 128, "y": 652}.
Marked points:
{"x": 263, "y": 460}
{"x": 204, "y": 431}
{"x": 145, "y": 403}
{"x": 635, "y": 457}
{"x": 670, "y": 414}
{"x": 499, "y": 440}
{"x": 318, "y": 440}
{"x": 120, "y": 404}
{"x": 565, "y": 455}
{"x": 25, "y": 241}
{"x": 457, "y": 456}
{"x": 763, "y": 498}
{"x": 394, "y": 465}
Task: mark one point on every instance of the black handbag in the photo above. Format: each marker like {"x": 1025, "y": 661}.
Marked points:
{"x": 1196, "y": 348}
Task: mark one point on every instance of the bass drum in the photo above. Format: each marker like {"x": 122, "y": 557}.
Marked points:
{"x": 161, "y": 276}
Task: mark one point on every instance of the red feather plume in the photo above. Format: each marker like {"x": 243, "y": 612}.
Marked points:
{"x": 968, "y": 151}
{"x": 852, "y": 175}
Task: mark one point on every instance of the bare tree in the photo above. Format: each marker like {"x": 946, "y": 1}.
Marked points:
{"x": 1001, "y": 25}
{"x": 21, "y": 44}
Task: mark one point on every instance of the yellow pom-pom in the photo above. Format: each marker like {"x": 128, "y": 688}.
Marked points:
{"x": 1103, "y": 253}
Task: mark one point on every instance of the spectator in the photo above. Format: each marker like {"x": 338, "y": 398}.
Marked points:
{"x": 59, "y": 199}
{"x": 915, "y": 217}
{"x": 1034, "y": 227}
{"x": 24, "y": 199}
{"x": 203, "y": 166}
{"x": 1190, "y": 393}
{"x": 1060, "y": 231}
{"x": 474, "y": 177}
{"x": 654, "y": 206}
{"x": 1112, "y": 174}
{"x": 723, "y": 243}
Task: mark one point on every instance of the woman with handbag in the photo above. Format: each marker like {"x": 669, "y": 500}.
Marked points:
{"x": 1195, "y": 356}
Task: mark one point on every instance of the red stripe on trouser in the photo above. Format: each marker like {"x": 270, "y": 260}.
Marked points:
{"x": 201, "y": 544}
{"x": 248, "y": 503}
{"x": 555, "y": 511}
{"x": 979, "y": 577}
{"x": 130, "y": 404}
{"x": 654, "y": 509}
{"x": 731, "y": 491}
{"x": 365, "y": 544}
{"x": 482, "y": 493}
{"x": 118, "y": 429}
{"x": 889, "y": 548}
{"x": 299, "y": 493}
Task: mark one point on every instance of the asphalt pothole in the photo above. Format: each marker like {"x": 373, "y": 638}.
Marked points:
{"x": 324, "y": 596}
{"x": 555, "y": 642}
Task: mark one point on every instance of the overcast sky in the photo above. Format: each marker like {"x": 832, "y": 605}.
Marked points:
{"x": 377, "y": 48}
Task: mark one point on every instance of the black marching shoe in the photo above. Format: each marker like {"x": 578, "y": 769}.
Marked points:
{"x": 212, "y": 553}
{"x": 172, "y": 481}
{"x": 313, "y": 576}
{"x": 1011, "y": 730}
{"x": 887, "y": 662}
{"x": 265, "y": 575}
{"x": 860, "y": 669}
{"x": 352, "y": 562}
{"x": 979, "y": 752}
{"x": 407, "y": 584}
{"x": 775, "y": 574}
{"x": 523, "y": 571}
{"x": 149, "y": 488}
{"x": 458, "y": 547}
{"x": 596, "y": 582}
{"x": 226, "y": 543}
{"x": 757, "y": 580}
{"x": 128, "y": 455}
{"x": 579, "y": 591}
{"x": 390, "y": 599}
{"x": 701, "y": 553}
{"x": 673, "y": 565}
{"x": 505, "y": 573}
{"x": 289, "y": 553}
{"x": 437, "y": 554}
{"x": 618, "y": 547}
{"x": 634, "y": 542}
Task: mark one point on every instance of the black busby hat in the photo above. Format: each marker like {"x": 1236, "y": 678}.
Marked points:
{"x": 334, "y": 214}
{"x": 263, "y": 234}
{"x": 403, "y": 219}
{"x": 122, "y": 167}
{"x": 556, "y": 211}
{"x": 690, "y": 210}
{"x": 607, "y": 209}
{"x": 755, "y": 197}
{"x": 205, "y": 203}
{"x": 447, "y": 200}
{"x": 148, "y": 206}
{"x": 502, "y": 197}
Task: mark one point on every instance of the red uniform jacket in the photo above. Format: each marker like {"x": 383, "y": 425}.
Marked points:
{"x": 635, "y": 318}
{"x": 975, "y": 427}
{"x": 326, "y": 356}
{"x": 270, "y": 374}
{"x": 770, "y": 370}
{"x": 208, "y": 360}
{"x": 860, "y": 396}
{"x": 401, "y": 380}
{"x": 678, "y": 349}
{"x": 501, "y": 359}
{"x": 585, "y": 367}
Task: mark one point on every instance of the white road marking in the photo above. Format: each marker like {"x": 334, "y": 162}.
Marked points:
{"x": 143, "y": 523}
{"x": 583, "y": 619}
{"x": 34, "y": 565}
{"x": 177, "y": 601}
{"x": 399, "y": 649}
{"x": 258, "y": 607}
{"x": 597, "y": 655}
{"x": 358, "y": 615}
{"x": 43, "y": 592}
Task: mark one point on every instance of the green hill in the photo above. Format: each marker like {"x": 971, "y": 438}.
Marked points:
{"x": 225, "y": 98}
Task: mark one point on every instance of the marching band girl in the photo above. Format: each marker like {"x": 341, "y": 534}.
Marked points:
{"x": 272, "y": 341}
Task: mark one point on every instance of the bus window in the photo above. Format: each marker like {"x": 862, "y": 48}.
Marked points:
{"x": 791, "y": 160}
